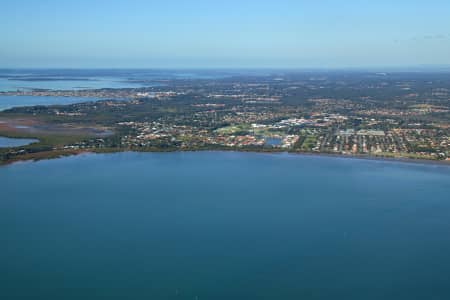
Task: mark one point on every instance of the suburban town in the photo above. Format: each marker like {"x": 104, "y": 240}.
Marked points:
{"x": 353, "y": 114}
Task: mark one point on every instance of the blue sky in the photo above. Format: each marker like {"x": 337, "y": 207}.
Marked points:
{"x": 208, "y": 34}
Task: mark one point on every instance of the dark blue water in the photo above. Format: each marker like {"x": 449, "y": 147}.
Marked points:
{"x": 6, "y": 142}
{"x": 224, "y": 226}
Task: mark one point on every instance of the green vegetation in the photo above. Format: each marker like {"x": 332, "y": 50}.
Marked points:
{"x": 347, "y": 114}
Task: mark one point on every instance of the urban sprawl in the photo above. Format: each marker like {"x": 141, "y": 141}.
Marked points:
{"x": 398, "y": 115}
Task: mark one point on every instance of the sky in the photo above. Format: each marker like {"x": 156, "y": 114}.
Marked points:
{"x": 224, "y": 34}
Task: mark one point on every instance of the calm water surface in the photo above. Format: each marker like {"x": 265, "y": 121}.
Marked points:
{"x": 6, "y": 142}
{"x": 80, "y": 79}
{"x": 7, "y": 102}
{"x": 272, "y": 141}
{"x": 10, "y": 84}
{"x": 214, "y": 225}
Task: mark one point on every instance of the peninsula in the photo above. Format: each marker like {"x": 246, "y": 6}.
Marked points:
{"x": 396, "y": 115}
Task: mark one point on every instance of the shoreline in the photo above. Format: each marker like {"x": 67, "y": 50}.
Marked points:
{"x": 293, "y": 153}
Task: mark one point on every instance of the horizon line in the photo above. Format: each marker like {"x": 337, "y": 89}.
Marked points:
{"x": 281, "y": 68}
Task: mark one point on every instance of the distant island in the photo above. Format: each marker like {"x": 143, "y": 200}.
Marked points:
{"x": 394, "y": 115}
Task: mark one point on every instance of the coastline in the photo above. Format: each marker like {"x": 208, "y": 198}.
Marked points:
{"x": 69, "y": 153}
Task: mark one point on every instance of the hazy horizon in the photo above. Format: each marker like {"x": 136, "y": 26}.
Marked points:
{"x": 205, "y": 35}
{"x": 393, "y": 69}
